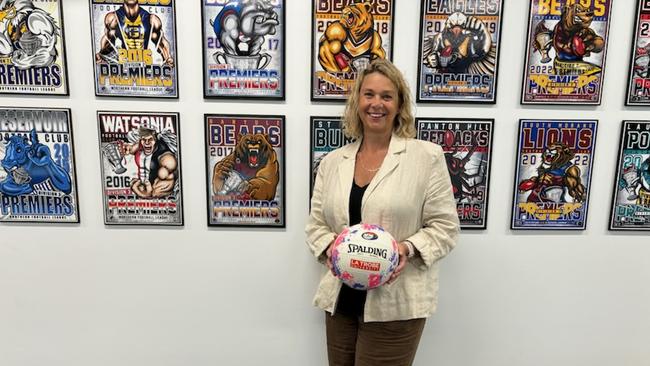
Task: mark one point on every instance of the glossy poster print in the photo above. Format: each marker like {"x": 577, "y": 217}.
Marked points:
{"x": 245, "y": 170}
{"x": 141, "y": 168}
{"x": 565, "y": 53}
{"x": 134, "y": 48}
{"x": 459, "y": 46}
{"x": 347, "y": 36}
{"x": 37, "y": 167}
{"x": 467, "y": 144}
{"x": 243, "y": 48}
{"x": 631, "y": 201}
{"x": 638, "y": 89}
{"x": 32, "y": 49}
{"x": 553, "y": 174}
{"x": 326, "y": 136}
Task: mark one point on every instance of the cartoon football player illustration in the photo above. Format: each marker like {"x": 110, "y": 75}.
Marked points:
{"x": 463, "y": 46}
{"x": 644, "y": 189}
{"x": 636, "y": 183}
{"x": 155, "y": 157}
{"x": 250, "y": 171}
{"x": 241, "y": 27}
{"x": 131, "y": 27}
{"x": 28, "y": 34}
{"x": 642, "y": 61}
{"x": 30, "y": 167}
{"x": 543, "y": 41}
{"x": 630, "y": 181}
{"x": 466, "y": 179}
{"x": 316, "y": 165}
{"x": 351, "y": 43}
{"x": 572, "y": 39}
{"x": 557, "y": 180}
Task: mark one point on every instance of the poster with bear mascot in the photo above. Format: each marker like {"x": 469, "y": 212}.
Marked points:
{"x": 245, "y": 170}
{"x": 565, "y": 52}
{"x": 346, "y": 37}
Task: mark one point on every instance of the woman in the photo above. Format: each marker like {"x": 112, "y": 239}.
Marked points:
{"x": 385, "y": 177}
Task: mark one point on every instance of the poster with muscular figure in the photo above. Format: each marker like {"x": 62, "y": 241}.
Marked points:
{"x": 32, "y": 49}
{"x": 459, "y": 51}
{"x": 467, "y": 144}
{"x": 38, "y": 182}
{"x": 638, "y": 88}
{"x": 565, "y": 51}
{"x": 631, "y": 200}
{"x": 134, "y": 48}
{"x": 245, "y": 170}
{"x": 243, "y": 49}
{"x": 346, "y": 37}
{"x": 326, "y": 135}
{"x": 553, "y": 174}
{"x": 141, "y": 168}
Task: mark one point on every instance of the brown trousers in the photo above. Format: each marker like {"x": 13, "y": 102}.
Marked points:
{"x": 351, "y": 342}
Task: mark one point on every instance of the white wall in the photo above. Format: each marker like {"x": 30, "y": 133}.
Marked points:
{"x": 95, "y": 295}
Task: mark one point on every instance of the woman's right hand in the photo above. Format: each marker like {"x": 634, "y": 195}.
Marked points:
{"x": 328, "y": 254}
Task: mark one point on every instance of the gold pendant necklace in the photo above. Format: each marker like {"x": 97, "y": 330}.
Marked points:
{"x": 363, "y": 166}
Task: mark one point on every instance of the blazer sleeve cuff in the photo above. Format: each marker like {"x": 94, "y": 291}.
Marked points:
{"x": 427, "y": 255}
{"x": 320, "y": 246}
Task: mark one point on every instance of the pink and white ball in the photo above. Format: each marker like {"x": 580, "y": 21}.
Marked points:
{"x": 364, "y": 256}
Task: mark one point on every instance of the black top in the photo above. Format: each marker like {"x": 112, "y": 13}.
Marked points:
{"x": 351, "y": 301}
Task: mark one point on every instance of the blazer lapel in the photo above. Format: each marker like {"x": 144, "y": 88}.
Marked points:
{"x": 391, "y": 161}
{"x": 346, "y": 175}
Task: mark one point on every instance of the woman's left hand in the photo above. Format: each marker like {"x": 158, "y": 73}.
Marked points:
{"x": 403, "y": 258}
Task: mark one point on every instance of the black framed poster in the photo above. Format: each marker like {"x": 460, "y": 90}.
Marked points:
{"x": 245, "y": 170}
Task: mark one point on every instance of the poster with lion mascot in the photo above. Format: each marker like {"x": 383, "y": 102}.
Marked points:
{"x": 565, "y": 53}
{"x": 346, "y": 37}
{"x": 245, "y": 170}
{"x": 554, "y": 164}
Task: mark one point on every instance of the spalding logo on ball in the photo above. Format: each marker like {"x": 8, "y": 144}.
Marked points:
{"x": 364, "y": 256}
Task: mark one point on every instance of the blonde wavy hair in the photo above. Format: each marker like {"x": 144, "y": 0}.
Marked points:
{"x": 405, "y": 120}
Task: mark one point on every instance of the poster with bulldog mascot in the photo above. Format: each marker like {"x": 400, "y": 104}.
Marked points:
{"x": 245, "y": 170}
{"x": 553, "y": 174}
{"x": 638, "y": 85}
{"x": 459, "y": 51}
{"x": 631, "y": 199}
{"x": 565, "y": 52}
{"x": 38, "y": 182}
{"x": 243, "y": 49}
{"x": 346, "y": 37}
{"x": 32, "y": 49}
{"x": 141, "y": 168}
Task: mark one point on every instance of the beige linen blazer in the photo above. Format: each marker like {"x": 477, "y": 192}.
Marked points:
{"x": 411, "y": 197}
